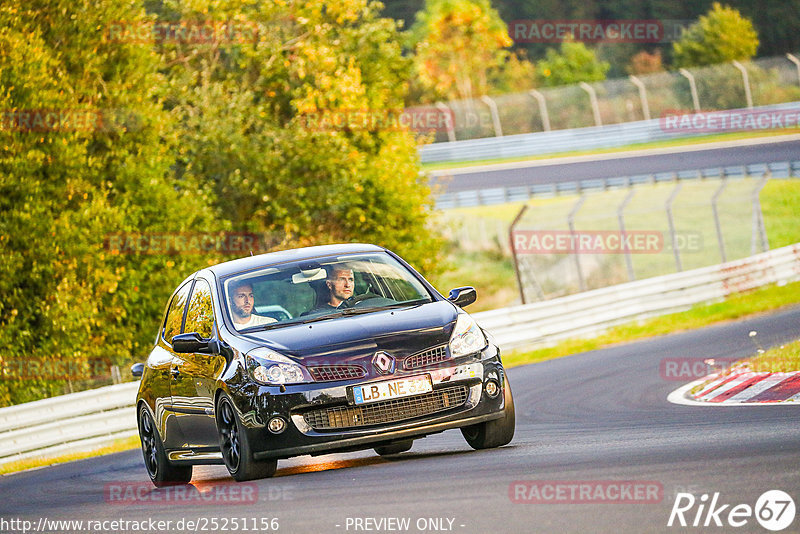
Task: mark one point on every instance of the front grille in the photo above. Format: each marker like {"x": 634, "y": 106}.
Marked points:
{"x": 390, "y": 411}
{"x": 326, "y": 373}
{"x": 428, "y": 357}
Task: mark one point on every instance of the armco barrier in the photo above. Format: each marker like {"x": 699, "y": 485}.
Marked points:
{"x": 593, "y": 311}
{"x": 589, "y": 138}
{"x": 67, "y": 423}
{"x": 62, "y": 424}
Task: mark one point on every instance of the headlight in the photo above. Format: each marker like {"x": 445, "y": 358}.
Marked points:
{"x": 269, "y": 367}
{"x": 467, "y": 337}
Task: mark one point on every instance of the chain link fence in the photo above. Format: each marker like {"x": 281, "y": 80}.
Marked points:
{"x": 597, "y": 237}
{"x": 734, "y": 85}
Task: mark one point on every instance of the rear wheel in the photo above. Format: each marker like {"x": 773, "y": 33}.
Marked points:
{"x": 497, "y": 432}
{"x": 162, "y": 472}
{"x": 236, "y": 451}
{"x": 395, "y": 448}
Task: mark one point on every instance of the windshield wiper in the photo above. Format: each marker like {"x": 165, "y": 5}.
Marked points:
{"x": 407, "y": 304}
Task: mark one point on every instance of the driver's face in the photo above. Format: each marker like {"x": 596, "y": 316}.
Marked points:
{"x": 243, "y": 302}
{"x": 341, "y": 285}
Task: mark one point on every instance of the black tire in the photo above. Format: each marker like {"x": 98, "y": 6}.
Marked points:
{"x": 395, "y": 448}
{"x": 494, "y": 433}
{"x": 236, "y": 451}
{"x": 161, "y": 471}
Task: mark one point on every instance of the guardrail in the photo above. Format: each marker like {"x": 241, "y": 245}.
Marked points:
{"x": 596, "y": 310}
{"x": 522, "y": 193}
{"x": 71, "y": 422}
{"x": 589, "y": 138}
{"x": 67, "y": 423}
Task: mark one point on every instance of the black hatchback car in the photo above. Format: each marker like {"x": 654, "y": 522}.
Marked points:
{"x": 312, "y": 351}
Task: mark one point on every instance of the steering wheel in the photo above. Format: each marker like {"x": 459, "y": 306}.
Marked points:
{"x": 355, "y": 299}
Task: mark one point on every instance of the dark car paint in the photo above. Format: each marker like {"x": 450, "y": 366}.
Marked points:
{"x": 185, "y": 408}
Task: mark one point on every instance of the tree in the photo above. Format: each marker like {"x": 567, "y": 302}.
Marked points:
{"x": 66, "y": 301}
{"x": 721, "y": 36}
{"x": 459, "y": 47}
{"x": 573, "y": 63}
{"x": 645, "y": 63}
{"x": 265, "y": 125}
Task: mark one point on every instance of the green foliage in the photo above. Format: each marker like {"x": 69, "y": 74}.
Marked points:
{"x": 460, "y": 52}
{"x": 252, "y": 129}
{"x": 195, "y": 137}
{"x": 573, "y": 63}
{"x": 64, "y": 297}
{"x": 721, "y": 36}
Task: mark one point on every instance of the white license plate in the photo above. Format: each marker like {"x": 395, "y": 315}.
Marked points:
{"x": 392, "y": 389}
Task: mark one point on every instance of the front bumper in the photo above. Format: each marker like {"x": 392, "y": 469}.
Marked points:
{"x": 300, "y": 437}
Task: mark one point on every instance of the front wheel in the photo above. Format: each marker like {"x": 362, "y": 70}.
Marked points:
{"x": 494, "y": 433}
{"x": 162, "y": 472}
{"x": 236, "y": 451}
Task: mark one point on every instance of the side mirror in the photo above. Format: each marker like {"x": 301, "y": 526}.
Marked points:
{"x": 190, "y": 342}
{"x": 462, "y": 296}
{"x": 137, "y": 370}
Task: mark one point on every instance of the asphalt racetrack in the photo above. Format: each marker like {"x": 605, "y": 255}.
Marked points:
{"x": 599, "y": 418}
{"x": 592, "y": 167}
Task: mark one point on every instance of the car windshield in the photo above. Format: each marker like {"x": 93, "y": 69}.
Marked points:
{"x": 317, "y": 290}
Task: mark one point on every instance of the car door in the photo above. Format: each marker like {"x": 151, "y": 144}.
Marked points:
{"x": 195, "y": 380}
{"x": 164, "y": 363}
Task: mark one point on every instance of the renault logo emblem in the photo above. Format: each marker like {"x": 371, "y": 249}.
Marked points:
{"x": 384, "y": 363}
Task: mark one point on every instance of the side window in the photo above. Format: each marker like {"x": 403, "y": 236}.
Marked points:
{"x": 172, "y": 325}
{"x": 200, "y": 317}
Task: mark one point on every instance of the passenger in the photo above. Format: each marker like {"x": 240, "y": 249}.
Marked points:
{"x": 242, "y": 306}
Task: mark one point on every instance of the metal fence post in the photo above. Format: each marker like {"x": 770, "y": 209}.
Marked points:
{"x": 575, "y": 253}
{"x": 715, "y": 211}
{"x": 498, "y": 130}
{"x": 793, "y": 59}
{"x": 542, "y": 108}
{"x": 759, "y": 230}
{"x": 672, "y": 226}
{"x": 449, "y": 120}
{"x": 693, "y": 88}
{"x": 621, "y": 219}
{"x": 748, "y": 96}
{"x": 642, "y": 96}
{"x": 514, "y": 251}
{"x": 593, "y": 100}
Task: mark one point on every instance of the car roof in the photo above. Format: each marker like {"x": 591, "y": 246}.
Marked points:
{"x": 282, "y": 256}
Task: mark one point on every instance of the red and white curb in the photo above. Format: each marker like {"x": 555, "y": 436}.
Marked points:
{"x": 742, "y": 388}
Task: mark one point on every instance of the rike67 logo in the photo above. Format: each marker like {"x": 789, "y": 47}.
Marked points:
{"x": 774, "y": 510}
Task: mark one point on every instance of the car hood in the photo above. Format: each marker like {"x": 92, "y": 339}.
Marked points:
{"x": 400, "y": 332}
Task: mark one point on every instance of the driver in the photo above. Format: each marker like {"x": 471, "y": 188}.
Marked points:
{"x": 341, "y": 284}
{"x": 242, "y": 305}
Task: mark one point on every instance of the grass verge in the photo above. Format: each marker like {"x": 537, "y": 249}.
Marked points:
{"x": 737, "y": 306}
{"x": 31, "y": 463}
{"x": 778, "y": 359}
